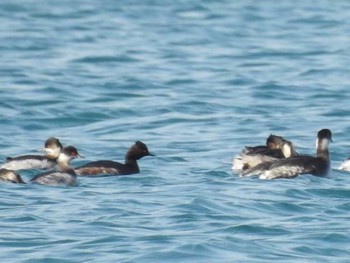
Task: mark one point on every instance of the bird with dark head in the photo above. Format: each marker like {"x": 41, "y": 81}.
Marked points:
{"x": 254, "y": 155}
{"x": 64, "y": 174}
{"x": 137, "y": 151}
{"x": 303, "y": 164}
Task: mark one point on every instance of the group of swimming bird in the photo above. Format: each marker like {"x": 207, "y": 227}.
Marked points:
{"x": 56, "y": 160}
{"x": 278, "y": 159}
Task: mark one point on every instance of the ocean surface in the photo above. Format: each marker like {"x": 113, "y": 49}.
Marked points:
{"x": 196, "y": 81}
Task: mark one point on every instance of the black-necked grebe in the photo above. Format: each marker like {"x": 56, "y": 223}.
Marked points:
{"x": 135, "y": 152}
{"x": 10, "y": 176}
{"x": 64, "y": 174}
{"x": 288, "y": 151}
{"x": 297, "y": 165}
{"x": 52, "y": 150}
{"x": 252, "y": 156}
{"x": 345, "y": 165}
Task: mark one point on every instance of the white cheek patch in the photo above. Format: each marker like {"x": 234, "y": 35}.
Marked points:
{"x": 54, "y": 152}
{"x": 287, "y": 150}
{"x": 49, "y": 150}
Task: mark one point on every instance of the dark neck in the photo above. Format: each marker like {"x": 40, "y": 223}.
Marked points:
{"x": 322, "y": 150}
{"x": 324, "y": 154}
{"x": 132, "y": 163}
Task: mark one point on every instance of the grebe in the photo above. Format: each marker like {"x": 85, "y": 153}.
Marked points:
{"x": 287, "y": 150}
{"x": 134, "y": 153}
{"x": 345, "y": 165}
{"x": 64, "y": 174}
{"x": 294, "y": 166}
{"x": 52, "y": 150}
{"x": 252, "y": 156}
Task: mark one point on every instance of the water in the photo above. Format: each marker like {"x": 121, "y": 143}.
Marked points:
{"x": 195, "y": 81}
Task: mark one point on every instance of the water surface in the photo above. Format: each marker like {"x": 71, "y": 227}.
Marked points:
{"x": 195, "y": 81}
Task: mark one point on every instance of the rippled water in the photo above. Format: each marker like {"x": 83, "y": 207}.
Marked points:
{"x": 196, "y": 81}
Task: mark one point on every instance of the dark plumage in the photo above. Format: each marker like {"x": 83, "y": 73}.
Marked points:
{"x": 253, "y": 155}
{"x": 287, "y": 150}
{"x": 297, "y": 165}
{"x": 135, "y": 152}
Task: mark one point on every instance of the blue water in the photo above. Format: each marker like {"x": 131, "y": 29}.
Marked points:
{"x": 196, "y": 81}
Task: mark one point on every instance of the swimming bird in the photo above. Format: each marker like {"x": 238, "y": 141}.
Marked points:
{"x": 64, "y": 174}
{"x": 253, "y": 155}
{"x": 10, "y": 176}
{"x": 345, "y": 165}
{"x": 134, "y": 153}
{"x": 288, "y": 151}
{"x": 52, "y": 150}
{"x": 302, "y": 164}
